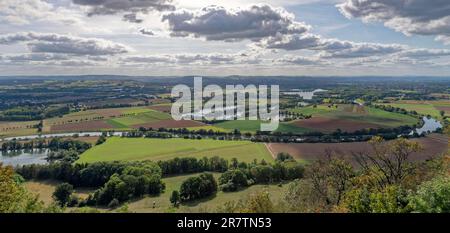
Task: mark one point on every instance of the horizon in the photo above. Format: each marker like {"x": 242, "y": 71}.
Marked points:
{"x": 225, "y": 38}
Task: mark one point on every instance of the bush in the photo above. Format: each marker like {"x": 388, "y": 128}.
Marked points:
{"x": 432, "y": 196}
{"x": 232, "y": 180}
{"x": 63, "y": 193}
{"x": 198, "y": 187}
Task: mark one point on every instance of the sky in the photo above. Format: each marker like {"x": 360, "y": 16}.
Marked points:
{"x": 225, "y": 37}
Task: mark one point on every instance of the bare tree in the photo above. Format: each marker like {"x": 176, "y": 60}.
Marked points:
{"x": 388, "y": 162}
{"x": 330, "y": 177}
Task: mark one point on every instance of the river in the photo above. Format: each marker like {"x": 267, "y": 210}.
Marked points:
{"x": 39, "y": 156}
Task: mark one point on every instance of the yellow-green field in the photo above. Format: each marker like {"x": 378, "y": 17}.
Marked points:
{"x": 130, "y": 149}
{"x": 45, "y": 190}
{"x": 432, "y": 108}
{"x": 211, "y": 204}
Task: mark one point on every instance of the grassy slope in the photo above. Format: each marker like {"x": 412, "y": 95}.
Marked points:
{"x": 45, "y": 190}
{"x": 164, "y": 149}
{"x": 148, "y": 116}
{"x": 253, "y": 126}
{"x": 162, "y": 203}
{"x": 372, "y": 115}
{"x": 425, "y": 108}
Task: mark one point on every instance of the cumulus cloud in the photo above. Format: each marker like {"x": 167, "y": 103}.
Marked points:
{"x": 300, "y": 60}
{"x": 49, "y": 59}
{"x": 27, "y": 11}
{"x": 218, "y": 23}
{"x": 347, "y": 49}
{"x": 30, "y": 57}
{"x": 65, "y": 44}
{"x": 425, "y": 53}
{"x": 189, "y": 59}
{"x": 128, "y": 7}
{"x": 421, "y": 17}
{"x": 147, "y": 32}
{"x": 291, "y": 42}
{"x": 330, "y": 48}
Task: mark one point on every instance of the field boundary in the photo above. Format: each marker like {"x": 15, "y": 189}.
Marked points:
{"x": 270, "y": 150}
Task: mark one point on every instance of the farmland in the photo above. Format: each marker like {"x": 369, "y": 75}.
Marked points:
{"x": 326, "y": 118}
{"x": 432, "y": 108}
{"x": 130, "y": 149}
{"x": 103, "y": 119}
{"x": 333, "y": 123}
{"x": 433, "y": 145}
{"x": 253, "y": 126}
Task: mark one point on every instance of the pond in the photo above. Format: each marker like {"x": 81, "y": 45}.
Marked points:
{"x": 24, "y": 157}
{"x": 430, "y": 125}
{"x": 306, "y": 95}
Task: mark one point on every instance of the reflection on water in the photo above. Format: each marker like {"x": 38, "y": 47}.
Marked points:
{"x": 81, "y": 134}
{"x": 24, "y": 157}
{"x": 430, "y": 125}
{"x": 306, "y": 95}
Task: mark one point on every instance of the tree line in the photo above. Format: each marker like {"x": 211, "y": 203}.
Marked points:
{"x": 53, "y": 144}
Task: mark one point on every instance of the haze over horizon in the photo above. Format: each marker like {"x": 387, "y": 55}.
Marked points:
{"x": 221, "y": 38}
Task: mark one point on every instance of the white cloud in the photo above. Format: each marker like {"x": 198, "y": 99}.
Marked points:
{"x": 28, "y": 11}
{"x": 420, "y": 17}
{"x": 190, "y": 59}
{"x": 129, "y": 8}
{"x": 218, "y": 23}
{"x": 65, "y": 44}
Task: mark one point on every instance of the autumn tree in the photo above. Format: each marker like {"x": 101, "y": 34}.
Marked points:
{"x": 13, "y": 197}
{"x": 330, "y": 178}
{"x": 388, "y": 163}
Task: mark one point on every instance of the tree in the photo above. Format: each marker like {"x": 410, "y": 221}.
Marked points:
{"x": 232, "y": 180}
{"x": 13, "y": 197}
{"x": 63, "y": 193}
{"x": 388, "y": 162}
{"x": 284, "y": 157}
{"x": 432, "y": 196}
{"x": 175, "y": 198}
{"x": 300, "y": 197}
{"x": 330, "y": 178}
{"x": 100, "y": 140}
{"x": 198, "y": 187}
{"x": 391, "y": 199}
{"x": 255, "y": 203}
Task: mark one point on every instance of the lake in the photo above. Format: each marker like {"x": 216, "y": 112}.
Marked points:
{"x": 306, "y": 95}
{"x": 430, "y": 125}
{"x": 24, "y": 157}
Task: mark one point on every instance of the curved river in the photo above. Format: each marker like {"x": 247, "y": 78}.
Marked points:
{"x": 39, "y": 156}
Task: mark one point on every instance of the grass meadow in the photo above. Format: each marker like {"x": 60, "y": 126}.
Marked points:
{"x": 131, "y": 149}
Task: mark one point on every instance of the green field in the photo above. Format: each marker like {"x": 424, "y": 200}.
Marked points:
{"x": 253, "y": 126}
{"x": 320, "y": 110}
{"x": 162, "y": 203}
{"x": 422, "y": 107}
{"x": 142, "y": 117}
{"x": 163, "y": 149}
{"x": 358, "y": 113}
